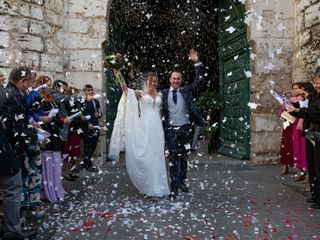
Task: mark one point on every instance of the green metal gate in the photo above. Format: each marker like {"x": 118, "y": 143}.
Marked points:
{"x": 113, "y": 91}
{"x": 234, "y": 84}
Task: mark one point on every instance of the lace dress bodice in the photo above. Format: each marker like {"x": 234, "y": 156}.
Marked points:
{"x": 148, "y": 103}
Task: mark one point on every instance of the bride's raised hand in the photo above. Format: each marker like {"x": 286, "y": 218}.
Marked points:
{"x": 115, "y": 72}
{"x": 119, "y": 78}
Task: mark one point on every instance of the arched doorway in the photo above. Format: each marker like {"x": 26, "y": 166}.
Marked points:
{"x": 156, "y": 36}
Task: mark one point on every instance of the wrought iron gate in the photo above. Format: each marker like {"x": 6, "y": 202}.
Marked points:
{"x": 233, "y": 81}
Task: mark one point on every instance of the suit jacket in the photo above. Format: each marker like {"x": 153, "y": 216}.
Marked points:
{"x": 186, "y": 92}
{"x": 311, "y": 114}
{"x": 89, "y": 109}
{"x": 15, "y": 131}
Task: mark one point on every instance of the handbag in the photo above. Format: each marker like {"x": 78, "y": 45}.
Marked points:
{"x": 313, "y": 136}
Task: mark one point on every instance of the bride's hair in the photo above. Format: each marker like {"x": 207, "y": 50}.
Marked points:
{"x": 149, "y": 76}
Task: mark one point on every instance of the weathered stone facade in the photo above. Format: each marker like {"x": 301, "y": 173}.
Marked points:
{"x": 29, "y": 35}
{"x": 284, "y": 36}
{"x": 306, "y": 56}
{"x": 63, "y": 39}
{"x": 271, "y": 39}
{"x": 59, "y": 38}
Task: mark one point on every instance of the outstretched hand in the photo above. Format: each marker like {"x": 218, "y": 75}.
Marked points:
{"x": 193, "y": 55}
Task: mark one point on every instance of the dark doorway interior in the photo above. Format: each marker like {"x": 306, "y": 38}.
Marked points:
{"x": 156, "y": 36}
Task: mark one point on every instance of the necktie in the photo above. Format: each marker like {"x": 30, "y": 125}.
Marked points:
{"x": 174, "y": 96}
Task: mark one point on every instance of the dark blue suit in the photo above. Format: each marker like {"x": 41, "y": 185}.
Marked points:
{"x": 178, "y": 137}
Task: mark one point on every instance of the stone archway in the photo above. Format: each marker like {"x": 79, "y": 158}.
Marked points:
{"x": 157, "y": 38}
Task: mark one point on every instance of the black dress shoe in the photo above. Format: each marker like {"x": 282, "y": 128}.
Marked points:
{"x": 29, "y": 234}
{"x": 310, "y": 200}
{"x": 172, "y": 196}
{"x": 68, "y": 178}
{"x": 73, "y": 175}
{"x": 92, "y": 169}
{"x": 75, "y": 170}
{"x": 315, "y": 206}
{"x": 184, "y": 189}
{"x": 23, "y": 235}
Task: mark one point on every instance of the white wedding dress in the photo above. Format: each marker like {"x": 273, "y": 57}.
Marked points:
{"x": 143, "y": 141}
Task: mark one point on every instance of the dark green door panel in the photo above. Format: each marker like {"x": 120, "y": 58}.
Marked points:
{"x": 233, "y": 83}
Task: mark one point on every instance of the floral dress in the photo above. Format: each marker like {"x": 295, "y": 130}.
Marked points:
{"x": 31, "y": 177}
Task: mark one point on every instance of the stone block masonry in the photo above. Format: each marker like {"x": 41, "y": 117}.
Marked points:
{"x": 270, "y": 35}
{"x": 307, "y": 39}
{"x": 59, "y": 38}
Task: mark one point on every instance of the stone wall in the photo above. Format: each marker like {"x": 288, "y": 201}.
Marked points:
{"x": 60, "y": 38}
{"x": 306, "y": 56}
{"x": 29, "y": 35}
{"x": 82, "y": 36}
{"x": 83, "y": 33}
{"x": 270, "y": 35}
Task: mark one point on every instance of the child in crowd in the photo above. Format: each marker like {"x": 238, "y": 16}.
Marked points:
{"x": 75, "y": 132}
{"x": 90, "y": 107}
{"x": 62, "y": 98}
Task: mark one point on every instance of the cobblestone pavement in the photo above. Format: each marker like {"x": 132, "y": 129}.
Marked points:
{"x": 229, "y": 199}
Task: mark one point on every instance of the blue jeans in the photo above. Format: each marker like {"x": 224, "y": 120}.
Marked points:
{"x": 177, "y": 138}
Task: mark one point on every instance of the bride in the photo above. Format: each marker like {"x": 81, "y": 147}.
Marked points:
{"x": 138, "y": 130}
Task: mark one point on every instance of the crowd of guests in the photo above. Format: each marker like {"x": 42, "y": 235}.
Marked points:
{"x": 300, "y": 142}
{"x": 42, "y": 123}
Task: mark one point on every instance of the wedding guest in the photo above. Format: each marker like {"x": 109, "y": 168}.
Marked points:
{"x": 286, "y": 146}
{"x": 32, "y": 166}
{"x": 2, "y": 79}
{"x": 299, "y": 141}
{"x": 52, "y": 189}
{"x": 16, "y": 133}
{"x": 75, "y": 132}
{"x": 59, "y": 93}
{"x": 311, "y": 116}
{"x": 307, "y": 90}
{"x": 91, "y": 107}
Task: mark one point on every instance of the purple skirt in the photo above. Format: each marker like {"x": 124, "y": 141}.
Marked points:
{"x": 52, "y": 189}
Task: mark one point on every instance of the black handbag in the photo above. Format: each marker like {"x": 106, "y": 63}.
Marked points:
{"x": 313, "y": 136}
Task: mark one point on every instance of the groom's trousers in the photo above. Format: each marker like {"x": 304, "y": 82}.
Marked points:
{"x": 177, "y": 138}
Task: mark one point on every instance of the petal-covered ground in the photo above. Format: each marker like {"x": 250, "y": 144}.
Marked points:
{"x": 229, "y": 199}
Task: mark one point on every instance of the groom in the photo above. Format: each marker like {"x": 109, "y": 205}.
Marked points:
{"x": 179, "y": 111}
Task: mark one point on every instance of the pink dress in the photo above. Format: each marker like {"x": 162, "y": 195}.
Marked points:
{"x": 299, "y": 146}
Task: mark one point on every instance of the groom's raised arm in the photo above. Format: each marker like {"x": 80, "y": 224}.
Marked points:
{"x": 194, "y": 57}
